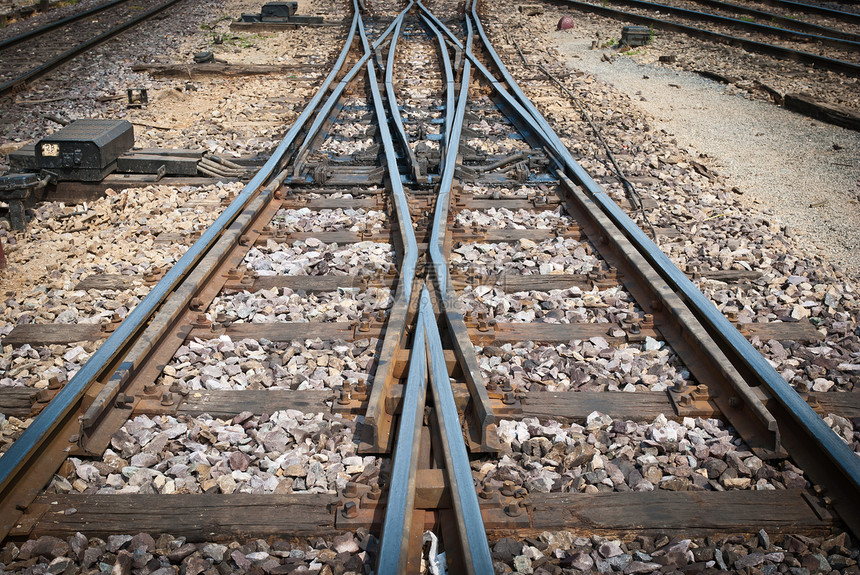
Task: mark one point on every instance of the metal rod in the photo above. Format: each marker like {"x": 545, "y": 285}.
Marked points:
{"x": 392, "y": 102}
{"x": 396, "y": 530}
{"x": 13, "y": 461}
{"x": 733, "y": 343}
{"x": 470, "y": 523}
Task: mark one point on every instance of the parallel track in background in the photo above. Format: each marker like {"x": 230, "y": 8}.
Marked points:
{"x": 431, "y": 151}
{"x": 761, "y": 45}
{"x": 37, "y": 52}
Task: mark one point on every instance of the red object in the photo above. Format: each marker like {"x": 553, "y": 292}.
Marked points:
{"x": 2, "y": 256}
{"x": 565, "y": 23}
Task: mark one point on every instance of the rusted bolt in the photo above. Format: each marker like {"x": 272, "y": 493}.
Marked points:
{"x": 350, "y": 510}
{"x": 685, "y": 401}
{"x": 344, "y": 397}
{"x": 506, "y": 385}
{"x": 351, "y": 490}
{"x": 196, "y": 303}
{"x": 149, "y": 387}
{"x": 678, "y": 387}
{"x": 361, "y": 386}
{"x": 124, "y": 400}
{"x": 364, "y": 325}
{"x": 54, "y": 383}
{"x": 486, "y": 492}
{"x": 491, "y": 386}
{"x": 167, "y": 399}
{"x": 244, "y": 241}
{"x": 513, "y": 509}
{"x": 508, "y": 488}
{"x": 233, "y": 273}
{"x": 375, "y": 492}
{"x": 483, "y": 325}
{"x": 509, "y": 399}
{"x": 380, "y": 315}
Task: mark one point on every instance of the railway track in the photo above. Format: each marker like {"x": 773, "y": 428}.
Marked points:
{"x": 830, "y": 52}
{"x": 379, "y": 336}
{"x": 36, "y": 52}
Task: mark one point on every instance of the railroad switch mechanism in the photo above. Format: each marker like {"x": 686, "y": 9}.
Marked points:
{"x": 16, "y": 188}
{"x": 279, "y": 13}
{"x": 635, "y": 36}
{"x": 93, "y": 150}
{"x": 85, "y": 150}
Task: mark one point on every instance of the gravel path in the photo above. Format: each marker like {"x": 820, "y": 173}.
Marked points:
{"x": 805, "y": 172}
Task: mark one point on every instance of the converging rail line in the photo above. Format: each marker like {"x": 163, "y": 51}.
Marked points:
{"x": 389, "y": 328}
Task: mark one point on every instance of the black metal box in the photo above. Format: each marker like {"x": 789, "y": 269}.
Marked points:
{"x": 635, "y": 35}
{"x": 85, "y": 150}
{"x": 278, "y": 10}
{"x": 24, "y": 158}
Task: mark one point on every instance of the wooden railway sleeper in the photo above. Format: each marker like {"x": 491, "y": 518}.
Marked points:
{"x": 171, "y": 312}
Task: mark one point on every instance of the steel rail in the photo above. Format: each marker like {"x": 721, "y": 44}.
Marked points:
{"x": 376, "y": 419}
{"x": 392, "y": 104}
{"x": 470, "y": 527}
{"x": 35, "y": 33}
{"x": 467, "y": 509}
{"x": 845, "y": 463}
{"x": 440, "y": 217}
{"x": 448, "y": 298}
{"x": 410, "y": 257}
{"x": 498, "y": 86}
{"x": 80, "y": 49}
{"x": 450, "y": 85}
{"x": 782, "y": 52}
{"x": 48, "y": 422}
{"x": 397, "y": 526}
{"x": 763, "y": 436}
{"x": 825, "y": 30}
{"x": 341, "y": 86}
{"x": 813, "y": 9}
{"x": 737, "y": 23}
